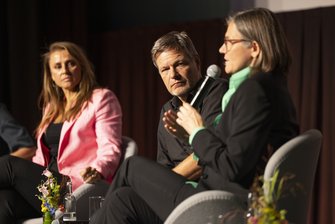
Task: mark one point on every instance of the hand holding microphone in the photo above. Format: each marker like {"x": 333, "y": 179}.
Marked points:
{"x": 188, "y": 116}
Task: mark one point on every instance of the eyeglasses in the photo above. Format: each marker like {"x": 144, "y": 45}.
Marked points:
{"x": 228, "y": 43}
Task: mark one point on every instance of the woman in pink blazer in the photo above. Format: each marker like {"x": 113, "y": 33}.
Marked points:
{"x": 78, "y": 137}
{"x": 92, "y": 140}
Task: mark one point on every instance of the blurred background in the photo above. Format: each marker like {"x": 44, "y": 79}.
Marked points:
{"x": 118, "y": 36}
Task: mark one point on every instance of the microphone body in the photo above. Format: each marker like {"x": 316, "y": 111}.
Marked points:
{"x": 212, "y": 73}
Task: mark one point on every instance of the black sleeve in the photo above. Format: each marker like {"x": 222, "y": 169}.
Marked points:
{"x": 12, "y": 132}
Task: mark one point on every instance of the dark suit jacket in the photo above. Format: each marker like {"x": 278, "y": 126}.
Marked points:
{"x": 260, "y": 113}
{"x": 12, "y": 134}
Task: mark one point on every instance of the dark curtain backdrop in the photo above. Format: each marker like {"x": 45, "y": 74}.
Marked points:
{"x": 311, "y": 81}
{"x": 123, "y": 64}
{"x": 26, "y": 30}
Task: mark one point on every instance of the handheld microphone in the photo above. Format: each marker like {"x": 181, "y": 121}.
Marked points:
{"x": 212, "y": 73}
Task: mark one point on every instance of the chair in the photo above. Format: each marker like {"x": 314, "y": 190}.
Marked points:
{"x": 298, "y": 156}
{"x": 211, "y": 206}
{"x": 86, "y": 190}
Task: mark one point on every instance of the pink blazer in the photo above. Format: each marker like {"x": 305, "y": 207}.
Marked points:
{"x": 92, "y": 139}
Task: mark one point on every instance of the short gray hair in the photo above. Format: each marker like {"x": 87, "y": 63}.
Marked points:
{"x": 174, "y": 40}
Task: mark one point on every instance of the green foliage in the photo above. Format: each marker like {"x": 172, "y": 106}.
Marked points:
{"x": 50, "y": 193}
{"x": 264, "y": 198}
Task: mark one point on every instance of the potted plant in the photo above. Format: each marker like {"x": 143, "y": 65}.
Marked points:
{"x": 263, "y": 200}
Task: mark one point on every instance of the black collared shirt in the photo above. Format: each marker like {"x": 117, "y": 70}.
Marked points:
{"x": 171, "y": 151}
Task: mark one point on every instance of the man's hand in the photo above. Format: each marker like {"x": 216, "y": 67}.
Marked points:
{"x": 189, "y": 168}
{"x": 172, "y": 127}
{"x": 24, "y": 152}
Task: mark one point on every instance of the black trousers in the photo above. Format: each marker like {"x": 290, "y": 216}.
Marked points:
{"x": 19, "y": 179}
{"x": 142, "y": 191}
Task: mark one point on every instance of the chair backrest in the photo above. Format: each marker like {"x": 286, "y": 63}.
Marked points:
{"x": 211, "y": 206}
{"x": 299, "y": 157}
{"x": 129, "y": 147}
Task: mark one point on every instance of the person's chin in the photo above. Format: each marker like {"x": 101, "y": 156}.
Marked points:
{"x": 228, "y": 70}
{"x": 180, "y": 93}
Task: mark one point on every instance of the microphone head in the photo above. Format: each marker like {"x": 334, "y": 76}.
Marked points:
{"x": 213, "y": 71}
